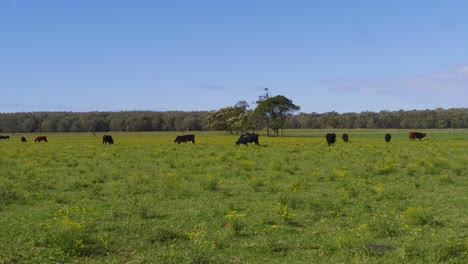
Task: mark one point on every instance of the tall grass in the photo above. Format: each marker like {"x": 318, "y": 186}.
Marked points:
{"x": 292, "y": 199}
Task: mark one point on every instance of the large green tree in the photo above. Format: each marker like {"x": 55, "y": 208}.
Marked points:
{"x": 227, "y": 118}
{"x": 273, "y": 112}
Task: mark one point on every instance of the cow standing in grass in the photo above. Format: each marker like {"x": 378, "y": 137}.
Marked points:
{"x": 388, "y": 137}
{"x": 4, "y": 137}
{"x": 345, "y": 137}
{"x": 415, "y": 135}
{"x": 23, "y": 139}
{"x": 107, "y": 139}
{"x": 331, "y": 138}
{"x": 248, "y": 138}
{"x": 40, "y": 138}
{"x": 185, "y": 138}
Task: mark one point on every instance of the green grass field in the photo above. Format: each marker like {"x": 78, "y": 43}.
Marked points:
{"x": 292, "y": 199}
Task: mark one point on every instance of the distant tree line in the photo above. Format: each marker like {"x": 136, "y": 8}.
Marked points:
{"x": 102, "y": 121}
{"x": 275, "y": 114}
{"x": 414, "y": 119}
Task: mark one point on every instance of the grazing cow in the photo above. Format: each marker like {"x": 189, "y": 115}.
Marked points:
{"x": 345, "y": 137}
{"x": 415, "y": 135}
{"x": 388, "y": 137}
{"x": 185, "y": 138}
{"x": 107, "y": 139}
{"x": 23, "y": 139}
{"x": 331, "y": 138}
{"x": 4, "y": 137}
{"x": 248, "y": 138}
{"x": 40, "y": 138}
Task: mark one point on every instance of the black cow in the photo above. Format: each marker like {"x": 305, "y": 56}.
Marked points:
{"x": 185, "y": 138}
{"x": 415, "y": 135}
{"x": 248, "y": 138}
{"x": 331, "y": 138}
{"x": 23, "y": 139}
{"x": 345, "y": 137}
{"x": 388, "y": 137}
{"x": 107, "y": 139}
{"x": 4, "y": 137}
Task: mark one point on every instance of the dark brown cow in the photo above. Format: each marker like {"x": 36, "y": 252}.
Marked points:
{"x": 23, "y": 139}
{"x": 248, "y": 138}
{"x": 107, "y": 139}
{"x": 345, "y": 137}
{"x": 388, "y": 137}
{"x": 40, "y": 138}
{"x": 185, "y": 138}
{"x": 331, "y": 138}
{"x": 414, "y": 135}
{"x": 4, "y": 137}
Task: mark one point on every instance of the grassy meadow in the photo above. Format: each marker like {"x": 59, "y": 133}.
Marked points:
{"x": 292, "y": 199}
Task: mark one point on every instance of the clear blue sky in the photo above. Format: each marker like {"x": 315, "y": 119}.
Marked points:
{"x": 344, "y": 56}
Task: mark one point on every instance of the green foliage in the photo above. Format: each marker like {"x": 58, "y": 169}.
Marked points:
{"x": 293, "y": 199}
{"x": 235, "y": 221}
{"x": 236, "y": 118}
{"x": 229, "y": 118}
{"x": 274, "y": 111}
{"x": 73, "y": 233}
{"x": 453, "y": 118}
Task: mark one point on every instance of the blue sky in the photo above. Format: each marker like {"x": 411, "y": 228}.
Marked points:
{"x": 122, "y": 55}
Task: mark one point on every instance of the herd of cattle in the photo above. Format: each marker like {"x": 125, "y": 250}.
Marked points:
{"x": 245, "y": 138}
{"x": 331, "y": 137}
{"x": 23, "y": 139}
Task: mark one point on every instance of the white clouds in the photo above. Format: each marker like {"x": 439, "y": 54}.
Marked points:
{"x": 454, "y": 79}
{"x": 451, "y": 80}
{"x": 444, "y": 88}
{"x": 464, "y": 69}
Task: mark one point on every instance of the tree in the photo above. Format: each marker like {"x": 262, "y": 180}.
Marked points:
{"x": 65, "y": 124}
{"x": 218, "y": 120}
{"x": 244, "y": 122}
{"x": 30, "y": 124}
{"x": 96, "y": 122}
{"x": 227, "y": 118}
{"x": 273, "y": 112}
{"x": 233, "y": 118}
{"x": 331, "y": 119}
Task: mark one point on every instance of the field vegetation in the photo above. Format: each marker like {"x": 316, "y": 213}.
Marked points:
{"x": 293, "y": 199}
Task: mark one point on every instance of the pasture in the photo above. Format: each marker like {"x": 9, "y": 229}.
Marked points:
{"x": 293, "y": 199}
